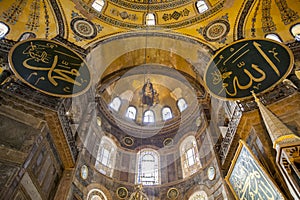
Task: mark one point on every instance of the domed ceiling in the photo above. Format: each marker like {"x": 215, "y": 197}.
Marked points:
{"x": 120, "y": 49}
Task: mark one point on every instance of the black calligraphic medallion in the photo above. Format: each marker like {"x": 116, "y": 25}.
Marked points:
{"x": 247, "y": 65}
{"x": 50, "y": 67}
{"x": 248, "y": 179}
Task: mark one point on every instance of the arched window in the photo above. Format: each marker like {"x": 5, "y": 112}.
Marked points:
{"x": 26, "y": 36}
{"x": 149, "y": 117}
{"x": 115, "y": 104}
{"x": 150, "y": 19}
{"x": 166, "y": 113}
{"x": 98, "y": 5}
{"x": 181, "y": 104}
{"x": 131, "y": 112}
{"x": 295, "y": 30}
{"x": 201, "y": 6}
{"x": 189, "y": 156}
{"x": 3, "y": 29}
{"x": 199, "y": 195}
{"x": 106, "y": 156}
{"x": 96, "y": 194}
{"x": 148, "y": 167}
{"x": 273, "y": 36}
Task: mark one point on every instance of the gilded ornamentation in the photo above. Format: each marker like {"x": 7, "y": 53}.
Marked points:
{"x": 124, "y": 15}
{"x": 267, "y": 21}
{"x": 242, "y": 18}
{"x": 83, "y": 28}
{"x": 33, "y": 22}
{"x": 287, "y": 14}
{"x": 286, "y": 138}
{"x": 47, "y": 22}
{"x": 216, "y": 31}
{"x": 151, "y": 5}
{"x": 12, "y": 14}
{"x": 118, "y": 23}
{"x": 176, "y": 15}
{"x": 254, "y": 20}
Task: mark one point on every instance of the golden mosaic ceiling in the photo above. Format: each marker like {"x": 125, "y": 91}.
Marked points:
{"x": 78, "y": 22}
{"x": 117, "y": 38}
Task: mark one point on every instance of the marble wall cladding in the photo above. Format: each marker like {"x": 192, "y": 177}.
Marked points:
{"x": 16, "y": 135}
{"x": 7, "y": 173}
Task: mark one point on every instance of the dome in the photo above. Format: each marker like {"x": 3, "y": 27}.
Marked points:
{"x": 142, "y": 121}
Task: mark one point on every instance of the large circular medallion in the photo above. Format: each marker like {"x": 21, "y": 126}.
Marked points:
{"x": 248, "y": 65}
{"x": 50, "y": 67}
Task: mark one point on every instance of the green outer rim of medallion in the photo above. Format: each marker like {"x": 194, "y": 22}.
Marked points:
{"x": 266, "y": 90}
{"x": 12, "y": 67}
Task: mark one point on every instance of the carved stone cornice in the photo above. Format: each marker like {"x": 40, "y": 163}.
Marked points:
{"x": 12, "y": 156}
{"x": 59, "y": 139}
{"x": 31, "y": 107}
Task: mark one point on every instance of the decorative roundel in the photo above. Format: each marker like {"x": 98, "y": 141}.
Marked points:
{"x": 168, "y": 142}
{"x": 83, "y": 28}
{"x": 216, "y": 30}
{"x": 122, "y": 193}
{"x": 128, "y": 141}
{"x": 172, "y": 193}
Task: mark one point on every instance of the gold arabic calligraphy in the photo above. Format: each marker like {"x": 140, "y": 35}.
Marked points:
{"x": 235, "y": 59}
{"x": 249, "y": 182}
{"x": 38, "y": 54}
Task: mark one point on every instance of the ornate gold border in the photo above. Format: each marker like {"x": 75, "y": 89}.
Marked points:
{"x": 266, "y": 90}
{"x": 45, "y": 92}
{"x": 236, "y": 156}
